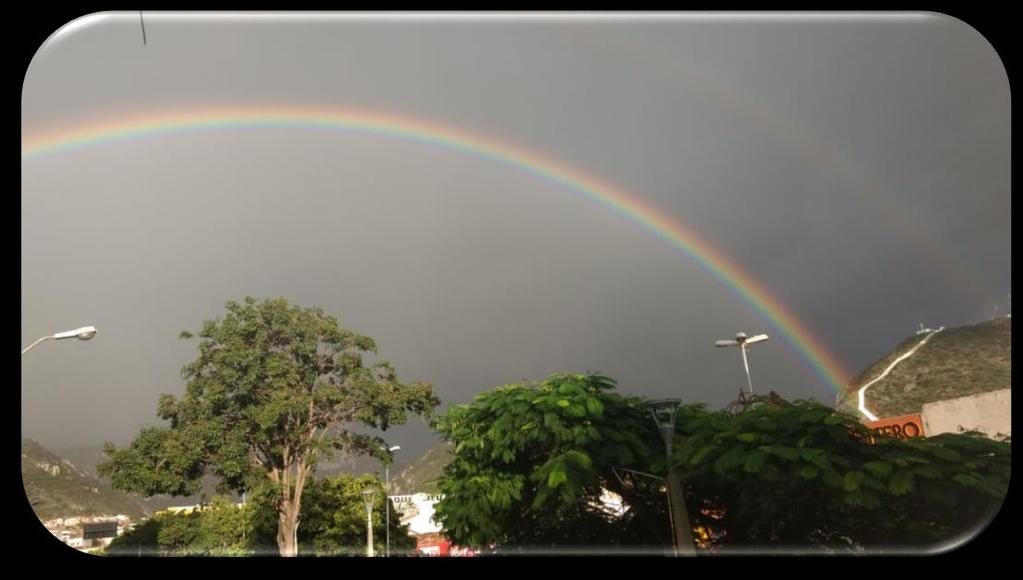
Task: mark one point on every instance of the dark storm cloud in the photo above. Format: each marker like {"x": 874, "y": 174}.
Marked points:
{"x": 857, "y": 168}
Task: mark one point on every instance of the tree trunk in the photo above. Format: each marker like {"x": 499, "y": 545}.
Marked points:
{"x": 287, "y": 528}
{"x": 289, "y": 506}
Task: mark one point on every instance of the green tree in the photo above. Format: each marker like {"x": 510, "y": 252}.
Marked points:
{"x": 217, "y": 529}
{"x": 801, "y": 475}
{"x": 275, "y": 388}
{"x": 530, "y": 463}
{"x": 333, "y": 523}
{"x": 143, "y": 539}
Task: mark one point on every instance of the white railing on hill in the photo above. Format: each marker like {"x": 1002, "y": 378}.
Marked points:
{"x": 862, "y": 407}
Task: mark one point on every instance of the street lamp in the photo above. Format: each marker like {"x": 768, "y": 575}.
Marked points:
{"x": 741, "y": 341}
{"x": 663, "y": 411}
{"x": 83, "y": 333}
{"x": 368, "y": 497}
{"x": 387, "y": 499}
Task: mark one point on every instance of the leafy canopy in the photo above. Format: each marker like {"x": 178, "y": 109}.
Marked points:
{"x": 275, "y": 388}
{"x": 802, "y": 474}
{"x": 333, "y": 515}
{"x": 531, "y": 462}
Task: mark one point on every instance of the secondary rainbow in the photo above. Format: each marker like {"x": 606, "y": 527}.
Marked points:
{"x": 824, "y": 364}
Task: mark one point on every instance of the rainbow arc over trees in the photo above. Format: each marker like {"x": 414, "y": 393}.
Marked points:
{"x": 629, "y": 206}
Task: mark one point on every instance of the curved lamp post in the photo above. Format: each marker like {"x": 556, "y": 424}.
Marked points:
{"x": 83, "y": 333}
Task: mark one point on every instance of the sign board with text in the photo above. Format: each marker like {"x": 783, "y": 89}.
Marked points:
{"x": 902, "y": 427}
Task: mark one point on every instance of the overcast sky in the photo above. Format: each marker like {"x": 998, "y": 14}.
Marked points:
{"x": 856, "y": 167}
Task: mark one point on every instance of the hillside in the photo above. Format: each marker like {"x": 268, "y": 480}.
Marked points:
{"x": 421, "y": 475}
{"x": 350, "y": 464}
{"x": 86, "y": 458}
{"x": 955, "y": 362}
{"x": 57, "y": 488}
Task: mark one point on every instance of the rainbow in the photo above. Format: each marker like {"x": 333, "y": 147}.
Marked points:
{"x": 679, "y": 71}
{"x": 822, "y": 362}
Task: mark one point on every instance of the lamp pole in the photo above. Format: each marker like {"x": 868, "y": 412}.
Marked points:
{"x": 663, "y": 412}
{"x": 387, "y": 500}
{"x": 742, "y": 342}
{"x": 83, "y": 333}
{"x": 368, "y": 495}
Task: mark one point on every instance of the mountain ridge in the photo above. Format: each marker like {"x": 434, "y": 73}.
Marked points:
{"x": 955, "y": 362}
{"x": 55, "y": 487}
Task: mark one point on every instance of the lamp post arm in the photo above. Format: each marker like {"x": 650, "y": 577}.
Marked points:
{"x": 35, "y": 343}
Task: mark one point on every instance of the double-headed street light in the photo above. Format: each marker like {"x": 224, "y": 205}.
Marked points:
{"x": 742, "y": 342}
{"x": 369, "y": 498}
{"x": 83, "y": 333}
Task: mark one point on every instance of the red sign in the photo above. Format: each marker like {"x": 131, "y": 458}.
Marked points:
{"x": 903, "y": 427}
{"x": 434, "y": 546}
{"x": 441, "y": 548}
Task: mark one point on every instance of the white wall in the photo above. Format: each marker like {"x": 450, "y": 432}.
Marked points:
{"x": 988, "y": 412}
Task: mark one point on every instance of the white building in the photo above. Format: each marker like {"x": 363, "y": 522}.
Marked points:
{"x": 417, "y": 511}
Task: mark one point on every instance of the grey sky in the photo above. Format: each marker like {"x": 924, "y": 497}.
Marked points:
{"x": 857, "y": 167}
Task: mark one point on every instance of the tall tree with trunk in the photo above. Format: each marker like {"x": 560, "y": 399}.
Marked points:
{"x": 275, "y": 389}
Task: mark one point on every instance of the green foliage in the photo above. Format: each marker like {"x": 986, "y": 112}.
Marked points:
{"x": 530, "y": 462}
{"x": 275, "y": 389}
{"x": 219, "y": 529}
{"x": 527, "y": 470}
{"x": 802, "y": 474}
{"x": 333, "y": 515}
{"x": 334, "y": 518}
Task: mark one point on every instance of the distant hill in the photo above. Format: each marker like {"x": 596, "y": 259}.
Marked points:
{"x": 955, "y": 362}
{"x": 86, "y": 458}
{"x": 421, "y": 475}
{"x": 57, "y": 488}
{"x": 418, "y": 477}
{"x": 350, "y": 464}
